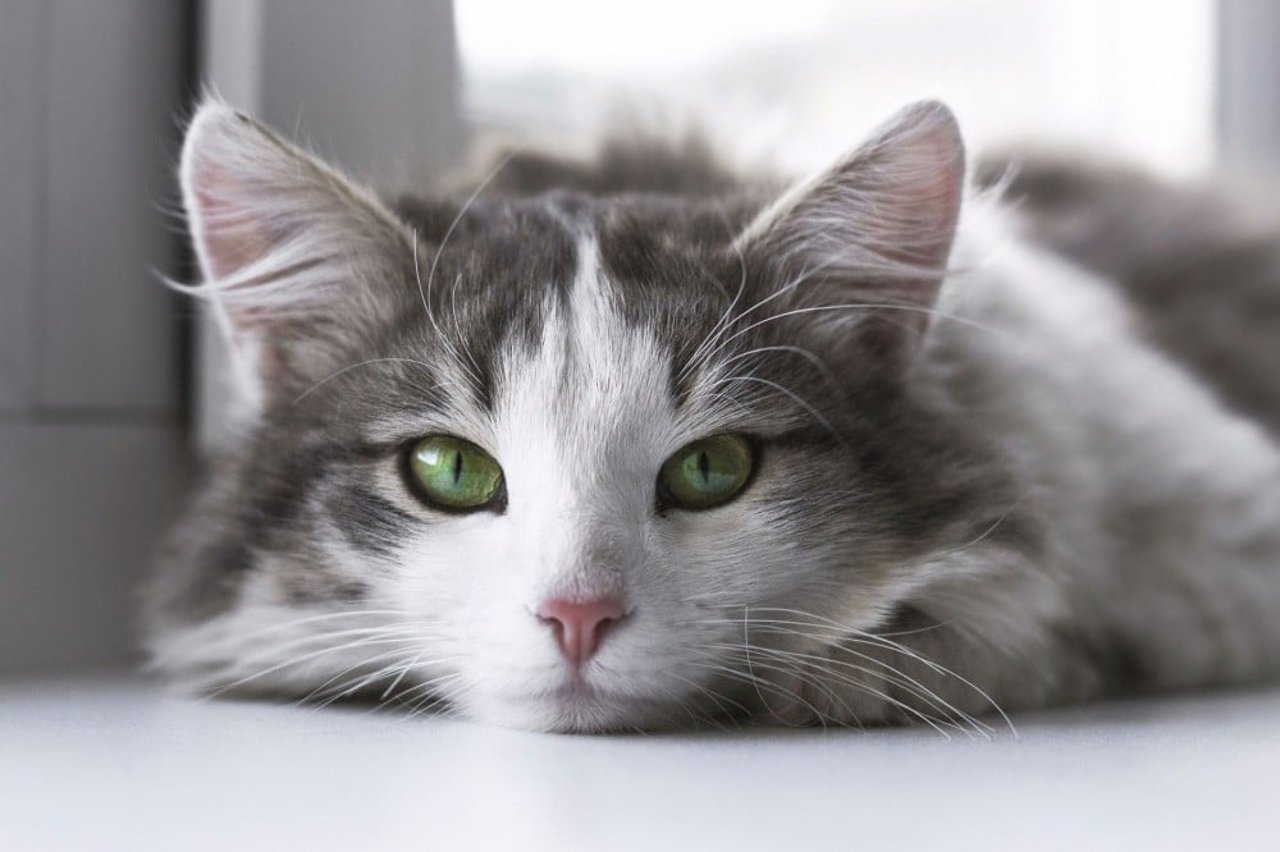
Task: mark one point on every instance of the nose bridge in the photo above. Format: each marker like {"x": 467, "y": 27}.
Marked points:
{"x": 589, "y": 560}
{"x": 576, "y": 490}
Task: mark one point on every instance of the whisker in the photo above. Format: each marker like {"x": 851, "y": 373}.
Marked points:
{"x": 302, "y": 659}
{"x": 328, "y": 636}
{"x": 350, "y": 367}
{"x": 779, "y": 656}
{"x": 278, "y": 626}
{"x": 846, "y": 634}
{"x": 894, "y": 676}
{"x": 759, "y": 683}
{"x": 345, "y": 683}
{"x": 425, "y": 292}
{"x": 790, "y": 394}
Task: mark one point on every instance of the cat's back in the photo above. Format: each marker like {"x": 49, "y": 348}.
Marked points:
{"x": 1201, "y": 266}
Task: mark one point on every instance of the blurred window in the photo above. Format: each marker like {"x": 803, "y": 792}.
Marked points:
{"x": 793, "y": 83}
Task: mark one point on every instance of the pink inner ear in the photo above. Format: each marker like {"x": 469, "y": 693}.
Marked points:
{"x": 226, "y": 233}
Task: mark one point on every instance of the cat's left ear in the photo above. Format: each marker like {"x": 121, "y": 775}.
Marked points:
{"x": 300, "y": 260}
{"x": 874, "y": 231}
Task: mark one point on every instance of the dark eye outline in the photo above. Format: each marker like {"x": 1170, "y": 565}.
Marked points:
{"x": 665, "y": 501}
{"x": 496, "y": 504}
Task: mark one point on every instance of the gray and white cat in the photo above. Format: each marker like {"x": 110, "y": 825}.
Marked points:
{"x": 687, "y": 449}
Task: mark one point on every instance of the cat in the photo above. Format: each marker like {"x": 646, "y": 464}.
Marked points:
{"x": 616, "y": 448}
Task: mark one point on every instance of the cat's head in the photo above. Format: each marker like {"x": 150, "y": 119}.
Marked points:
{"x": 555, "y": 460}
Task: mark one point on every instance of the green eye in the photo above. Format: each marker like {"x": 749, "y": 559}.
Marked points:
{"x": 706, "y": 473}
{"x": 454, "y": 474}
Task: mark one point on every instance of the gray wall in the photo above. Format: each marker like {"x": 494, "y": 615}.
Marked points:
{"x": 91, "y": 458}
{"x": 1248, "y": 82}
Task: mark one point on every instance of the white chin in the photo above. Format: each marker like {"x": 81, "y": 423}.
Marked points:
{"x": 569, "y": 712}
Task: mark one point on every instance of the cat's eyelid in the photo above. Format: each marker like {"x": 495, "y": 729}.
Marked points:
{"x": 395, "y": 433}
{"x": 696, "y": 422}
{"x": 758, "y": 431}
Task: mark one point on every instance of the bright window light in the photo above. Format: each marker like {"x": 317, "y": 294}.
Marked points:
{"x": 793, "y": 83}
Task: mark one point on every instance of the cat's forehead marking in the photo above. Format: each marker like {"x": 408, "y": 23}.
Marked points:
{"x": 593, "y": 394}
{"x": 590, "y": 356}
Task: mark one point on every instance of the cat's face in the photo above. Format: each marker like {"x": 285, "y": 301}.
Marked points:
{"x": 556, "y": 461}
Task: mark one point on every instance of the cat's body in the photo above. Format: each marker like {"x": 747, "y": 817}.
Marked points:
{"x": 982, "y": 487}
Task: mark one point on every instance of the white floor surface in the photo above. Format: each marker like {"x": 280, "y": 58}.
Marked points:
{"x": 115, "y": 764}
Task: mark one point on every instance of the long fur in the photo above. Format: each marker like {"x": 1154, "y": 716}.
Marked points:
{"x": 980, "y": 484}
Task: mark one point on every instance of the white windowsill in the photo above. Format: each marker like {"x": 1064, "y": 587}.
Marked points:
{"x": 107, "y": 764}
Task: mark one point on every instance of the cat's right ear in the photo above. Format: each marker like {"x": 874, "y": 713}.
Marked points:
{"x": 296, "y": 257}
{"x": 861, "y": 249}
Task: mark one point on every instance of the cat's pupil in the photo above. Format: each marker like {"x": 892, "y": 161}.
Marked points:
{"x": 704, "y": 467}
{"x": 457, "y": 468}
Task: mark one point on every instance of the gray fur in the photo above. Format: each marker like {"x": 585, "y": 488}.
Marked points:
{"x": 1201, "y": 265}
{"x": 979, "y": 486}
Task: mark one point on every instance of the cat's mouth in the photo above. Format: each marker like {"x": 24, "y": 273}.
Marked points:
{"x": 577, "y": 691}
{"x": 578, "y": 706}
{"x": 574, "y": 692}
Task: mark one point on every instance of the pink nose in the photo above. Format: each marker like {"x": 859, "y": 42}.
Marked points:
{"x": 580, "y": 625}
